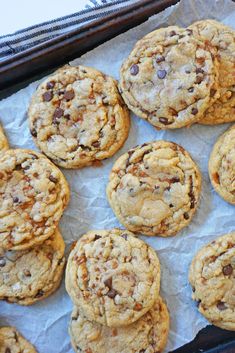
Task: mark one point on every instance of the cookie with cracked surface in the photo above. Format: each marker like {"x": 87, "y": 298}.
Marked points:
{"x": 146, "y": 335}
{"x": 113, "y": 277}
{"x": 77, "y": 117}
{"x": 27, "y": 276}
{"x": 154, "y": 188}
{"x": 212, "y": 277}
{"x": 11, "y": 341}
{"x": 3, "y": 141}
{"x": 223, "y": 110}
{"x": 222, "y": 166}
{"x": 170, "y": 78}
{"x": 33, "y": 196}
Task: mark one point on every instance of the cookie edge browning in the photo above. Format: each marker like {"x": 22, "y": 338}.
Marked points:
{"x": 30, "y": 348}
{"x": 114, "y": 148}
{"x": 191, "y": 278}
{"x": 3, "y": 140}
{"x": 139, "y": 112}
{"x": 133, "y": 229}
{"x": 164, "y": 321}
{"x": 212, "y": 170}
{"x": 72, "y": 290}
{"x": 59, "y": 245}
{"x": 65, "y": 199}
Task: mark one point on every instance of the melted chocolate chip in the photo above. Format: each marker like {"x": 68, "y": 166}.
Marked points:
{"x": 199, "y": 79}
{"x": 112, "y": 293}
{"x": 221, "y": 306}
{"x": 27, "y": 273}
{"x": 159, "y": 59}
{"x": 198, "y": 302}
{"x": 33, "y": 132}
{"x": 53, "y": 179}
{"x": 189, "y": 31}
{"x": 58, "y": 113}
{"x": 96, "y": 144}
{"x": 39, "y": 294}
{"x": 47, "y": 96}
{"x": 108, "y": 282}
{"x": 227, "y": 270}
{"x": 171, "y": 205}
{"x": 194, "y": 111}
{"x": 68, "y": 95}
{"x": 50, "y": 84}
{"x": 212, "y": 92}
{"x": 15, "y": 199}
{"x": 7, "y": 350}
{"x": 161, "y": 74}
{"x": 134, "y": 69}
{"x": 175, "y": 180}
{"x": 164, "y": 121}
{"x": 97, "y": 237}
{"x": 142, "y": 351}
{"x": 2, "y": 262}
{"x": 199, "y": 70}
{"x": 186, "y": 215}
{"x": 191, "y": 89}
{"x": 172, "y": 33}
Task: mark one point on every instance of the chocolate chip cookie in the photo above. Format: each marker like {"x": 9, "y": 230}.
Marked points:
{"x": 27, "y": 276}
{"x": 154, "y": 188}
{"x": 212, "y": 277}
{"x": 148, "y": 334}
{"x": 170, "y": 78}
{"x": 77, "y": 117}
{"x": 222, "y": 38}
{"x": 11, "y": 341}
{"x": 222, "y": 166}
{"x": 3, "y": 141}
{"x": 33, "y": 196}
{"x": 113, "y": 277}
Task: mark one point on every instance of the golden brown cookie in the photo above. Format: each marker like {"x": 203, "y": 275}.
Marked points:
{"x": 27, "y": 276}
{"x": 222, "y": 166}
{"x": 113, "y": 277}
{"x": 148, "y": 334}
{"x": 170, "y": 78}
{"x": 11, "y": 341}
{"x": 3, "y": 140}
{"x": 212, "y": 276}
{"x": 33, "y": 196}
{"x": 154, "y": 188}
{"x": 77, "y": 117}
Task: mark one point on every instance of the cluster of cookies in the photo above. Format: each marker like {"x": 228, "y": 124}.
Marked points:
{"x": 113, "y": 279}
{"x": 33, "y": 196}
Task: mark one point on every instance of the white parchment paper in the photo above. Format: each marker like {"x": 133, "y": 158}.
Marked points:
{"x": 45, "y": 323}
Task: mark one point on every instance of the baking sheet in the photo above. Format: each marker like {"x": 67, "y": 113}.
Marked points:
{"x": 45, "y": 323}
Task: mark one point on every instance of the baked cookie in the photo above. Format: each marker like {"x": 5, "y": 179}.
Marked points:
{"x": 170, "y": 78}
{"x": 113, "y": 277}
{"x": 154, "y": 188}
{"x": 212, "y": 277}
{"x": 223, "y": 39}
{"x": 223, "y": 110}
{"x": 148, "y": 334}
{"x": 33, "y": 196}
{"x": 3, "y": 141}
{"x": 28, "y": 276}
{"x": 11, "y": 341}
{"x": 222, "y": 166}
{"x": 77, "y": 117}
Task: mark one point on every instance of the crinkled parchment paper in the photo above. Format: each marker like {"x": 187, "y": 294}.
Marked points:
{"x": 45, "y": 324}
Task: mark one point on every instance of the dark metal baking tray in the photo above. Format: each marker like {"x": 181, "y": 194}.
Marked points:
{"x": 23, "y": 68}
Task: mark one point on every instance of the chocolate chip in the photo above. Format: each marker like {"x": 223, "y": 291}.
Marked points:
{"x": 27, "y": 273}
{"x": 199, "y": 70}
{"x": 97, "y": 237}
{"x": 221, "y": 306}
{"x": 50, "y": 84}
{"x": 212, "y": 92}
{"x": 191, "y": 89}
{"x": 68, "y": 95}
{"x": 39, "y": 294}
{"x": 171, "y": 205}
{"x": 186, "y": 215}
{"x": 7, "y": 350}
{"x": 164, "y": 121}
{"x": 47, "y": 96}
{"x": 194, "y": 111}
{"x": 227, "y": 270}
{"x": 112, "y": 293}
{"x": 189, "y": 31}
{"x": 67, "y": 116}
{"x": 175, "y": 180}
{"x": 58, "y": 113}
{"x": 198, "y": 302}
{"x": 108, "y": 282}
{"x": 142, "y": 351}
{"x": 172, "y": 33}
{"x": 2, "y": 262}
{"x": 33, "y": 132}
{"x": 15, "y": 199}
{"x": 134, "y": 69}
{"x": 159, "y": 59}
{"x": 53, "y": 179}
{"x": 199, "y": 79}
{"x": 96, "y": 144}
{"x": 124, "y": 236}
{"x": 187, "y": 71}
{"x": 161, "y": 74}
